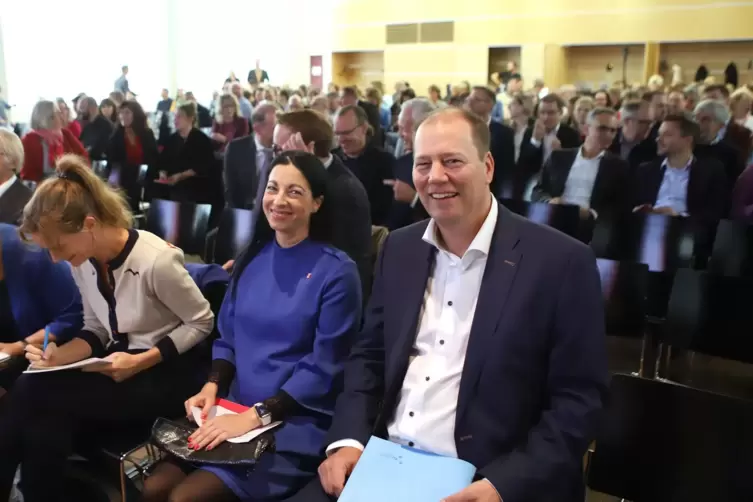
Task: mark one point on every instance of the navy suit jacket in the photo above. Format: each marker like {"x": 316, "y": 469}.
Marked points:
{"x": 535, "y": 374}
{"x": 42, "y": 293}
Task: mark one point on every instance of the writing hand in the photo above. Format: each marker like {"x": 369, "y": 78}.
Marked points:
{"x": 334, "y": 471}
{"x": 42, "y": 359}
{"x": 480, "y": 491}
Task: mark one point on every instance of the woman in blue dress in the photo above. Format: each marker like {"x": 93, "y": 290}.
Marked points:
{"x": 286, "y": 325}
{"x": 35, "y": 294}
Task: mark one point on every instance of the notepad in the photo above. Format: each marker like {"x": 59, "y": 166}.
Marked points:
{"x": 389, "y": 471}
{"x": 4, "y": 357}
{"x": 73, "y": 366}
{"x": 224, "y": 407}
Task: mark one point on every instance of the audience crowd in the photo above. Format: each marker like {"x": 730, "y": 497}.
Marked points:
{"x": 438, "y": 336}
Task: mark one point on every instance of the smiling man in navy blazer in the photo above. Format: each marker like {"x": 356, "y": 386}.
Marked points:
{"x": 484, "y": 337}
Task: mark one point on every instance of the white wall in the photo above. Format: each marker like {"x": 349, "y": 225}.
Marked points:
{"x": 3, "y": 73}
{"x": 283, "y": 38}
{"x": 191, "y": 44}
{"x": 80, "y": 46}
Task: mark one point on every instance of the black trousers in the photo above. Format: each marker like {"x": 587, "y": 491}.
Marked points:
{"x": 45, "y": 412}
{"x": 312, "y": 492}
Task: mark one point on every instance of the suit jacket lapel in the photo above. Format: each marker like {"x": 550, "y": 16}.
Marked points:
{"x": 413, "y": 280}
{"x": 601, "y": 178}
{"x": 695, "y": 180}
{"x": 501, "y": 267}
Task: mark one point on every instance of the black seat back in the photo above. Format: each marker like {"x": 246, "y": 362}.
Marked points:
{"x": 233, "y": 234}
{"x": 565, "y": 218}
{"x": 711, "y": 314}
{"x": 182, "y": 224}
{"x": 664, "y": 442}
{"x": 732, "y": 254}
{"x": 624, "y": 286}
{"x": 664, "y": 243}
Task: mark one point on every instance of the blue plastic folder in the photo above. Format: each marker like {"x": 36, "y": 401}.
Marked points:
{"x": 389, "y": 471}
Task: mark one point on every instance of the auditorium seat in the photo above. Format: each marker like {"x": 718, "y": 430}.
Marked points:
{"x": 710, "y": 315}
{"x": 624, "y": 286}
{"x": 732, "y": 253}
{"x": 663, "y": 243}
{"x": 232, "y": 235}
{"x": 565, "y": 218}
{"x": 662, "y": 442}
{"x": 101, "y": 169}
{"x": 182, "y": 224}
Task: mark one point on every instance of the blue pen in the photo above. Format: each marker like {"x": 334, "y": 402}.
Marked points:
{"x": 46, "y": 339}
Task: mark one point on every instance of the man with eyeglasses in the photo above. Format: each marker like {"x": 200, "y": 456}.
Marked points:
{"x": 590, "y": 176}
{"x": 371, "y": 164}
{"x": 632, "y": 142}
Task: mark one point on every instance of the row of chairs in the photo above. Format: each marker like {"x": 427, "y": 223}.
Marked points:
{"x": 663, "y": 440}
{"x": 662, "y": 242}
{"x": 707, "y": 311}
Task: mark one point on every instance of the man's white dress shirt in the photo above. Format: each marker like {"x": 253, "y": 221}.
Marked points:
{"x": 425, "y": 414}
{"x": 580, "y": 181}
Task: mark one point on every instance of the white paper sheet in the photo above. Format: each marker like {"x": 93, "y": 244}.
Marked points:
{"x": 81, "y": 364}
{"x": 4, "y": 357}
{"x": 218, "y": 411}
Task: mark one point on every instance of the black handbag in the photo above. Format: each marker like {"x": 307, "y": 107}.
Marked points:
{"x": 172, "y": 437}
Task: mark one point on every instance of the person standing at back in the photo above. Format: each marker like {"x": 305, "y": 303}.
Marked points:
{"x": 121, "y": 84}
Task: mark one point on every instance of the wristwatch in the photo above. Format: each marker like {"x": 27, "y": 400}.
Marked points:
{"x": 265, "y": 416}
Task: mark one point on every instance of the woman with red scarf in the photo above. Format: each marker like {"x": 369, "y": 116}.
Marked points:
{"x": 47, "y": 141}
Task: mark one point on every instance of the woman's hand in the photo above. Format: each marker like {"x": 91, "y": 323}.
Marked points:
{"x": 12, "y": 349}
{"x": 219, "y": 138}
{"x": 122, "y": 366}
{"x": 43, "y": 359}
{"x": 219, "y": 429}
{"x": 205, "y": 399}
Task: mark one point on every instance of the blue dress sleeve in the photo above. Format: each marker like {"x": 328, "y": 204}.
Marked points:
{"x": 314, "y": 381}
{"x": 224, "y": 346}
{"x": 60, "y": 297}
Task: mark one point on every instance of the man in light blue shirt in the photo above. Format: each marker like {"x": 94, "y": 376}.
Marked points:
{"x": 681, "y": 184}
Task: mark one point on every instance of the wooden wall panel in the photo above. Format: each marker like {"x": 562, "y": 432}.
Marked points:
{"x": 586, "y": 65}
{"x": 357, "y": 68}
{"x": 714, "y": 55}
{"x": 499, "y": 56}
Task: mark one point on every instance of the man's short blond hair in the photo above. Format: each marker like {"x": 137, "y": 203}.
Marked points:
{"x": 12, "y": 149}
{"x": 479, "y": 128}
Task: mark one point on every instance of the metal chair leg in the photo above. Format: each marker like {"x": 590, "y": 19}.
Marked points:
{"x": 123, "y": 495}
